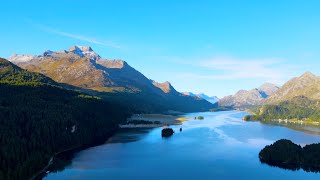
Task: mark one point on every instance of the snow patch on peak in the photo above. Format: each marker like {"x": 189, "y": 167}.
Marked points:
{"x": 84, "y": 51}
{"x": 211, "y": 99}
{"x": 85, "y": 48}
{"x": 78, "y": 51}
{"x": 20, "y": 58}
{"x": 80, "y": 48}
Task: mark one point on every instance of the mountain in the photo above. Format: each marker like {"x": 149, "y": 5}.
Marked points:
{"x": 212, "y": 99}
{"x": 39, "y": 118}
{"x": 307, "y": 85}
{"x": 244, "y": 98}
{"x": 114, "y": 80}
{"x": 189, "y": 94}
{"x": 166, "y": 87}
{"x": 296, "y": 108}
{"x": 12, "y": 74}
{"x": 268, "y": 88}
{"x": 299, "y": 98}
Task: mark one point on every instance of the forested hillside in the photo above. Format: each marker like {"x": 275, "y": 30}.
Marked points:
{"x": 38, "y": 118}
{"x": 299, "y": 108}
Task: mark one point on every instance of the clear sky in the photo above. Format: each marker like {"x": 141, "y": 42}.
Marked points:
{"x": 210, "y": 46}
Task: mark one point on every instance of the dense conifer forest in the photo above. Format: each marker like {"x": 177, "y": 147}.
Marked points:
{"x": 285, "y": 154}
{"x": 39, "y": 118}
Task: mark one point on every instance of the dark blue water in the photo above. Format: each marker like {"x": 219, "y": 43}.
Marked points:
{"x": 221, "y": 146}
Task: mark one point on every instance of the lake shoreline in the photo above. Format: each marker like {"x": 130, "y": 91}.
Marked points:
{"x": 165, "y": 120}
{"x": 69, "y": 153}
{"x": 202, "y": 143}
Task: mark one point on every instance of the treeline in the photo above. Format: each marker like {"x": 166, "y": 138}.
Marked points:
{"x": 300, "y": 108}
{"x": 38, "y": 119}
{"x": 285, "y": 154}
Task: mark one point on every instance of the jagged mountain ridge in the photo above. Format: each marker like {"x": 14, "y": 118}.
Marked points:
{"x": 211, "y": 99}
{"x": 80, "y": 66}
{"x": 307, "y": 85}
{"x": 252, "y": 97}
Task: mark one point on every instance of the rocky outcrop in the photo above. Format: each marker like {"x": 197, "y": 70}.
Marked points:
{"x": 167, "y": 132}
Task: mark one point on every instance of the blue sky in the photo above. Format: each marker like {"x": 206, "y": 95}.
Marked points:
{"x": 216, "y": 47}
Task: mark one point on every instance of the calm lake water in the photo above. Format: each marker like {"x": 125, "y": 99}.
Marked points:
{"x": 221, "y": 146}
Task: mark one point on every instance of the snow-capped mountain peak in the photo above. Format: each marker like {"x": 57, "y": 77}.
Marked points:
{"x": 75, "y": 51}
{"x": 20, "y": 58}
{"x": 84, "y": 51}
{"x": 213, "y": 99}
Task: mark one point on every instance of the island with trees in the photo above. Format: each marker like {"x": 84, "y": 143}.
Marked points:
{"x": 288, "y": 155}
{"x": 167, "y": 132}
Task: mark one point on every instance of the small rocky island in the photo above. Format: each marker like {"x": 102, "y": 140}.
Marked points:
{"x": 167, "y": 132}
{"x": 199, "y": 117}
{"x": 288, "y": 155}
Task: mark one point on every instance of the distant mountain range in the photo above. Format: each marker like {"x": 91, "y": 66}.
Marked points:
{"x": 244, "y": 98}
{"x": 297, "y": 99}
{"x": 113, "y": 80}
{"x": 305, "y": 86}
{"x": 211, "y": 99}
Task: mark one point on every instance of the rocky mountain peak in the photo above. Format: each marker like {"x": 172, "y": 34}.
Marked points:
{"x": 268, "y": 88}
{"x": 308, "y": 74}
{"x": 84, "y": 51}
{"x": 305, "y": 85}
{"x": 165, "y": 86}
{"x": 80, "y": 48}
{"x": 244, "y": 98}
{"x": 211, "y": 99}
{"x": 20, "y": 58}
{"x": 47, "y": 52}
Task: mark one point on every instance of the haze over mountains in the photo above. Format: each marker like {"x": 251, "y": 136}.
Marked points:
{"x": 299, "y": 98}
{"x": 211, "y": 99}
{"x": 113, "y": 79}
